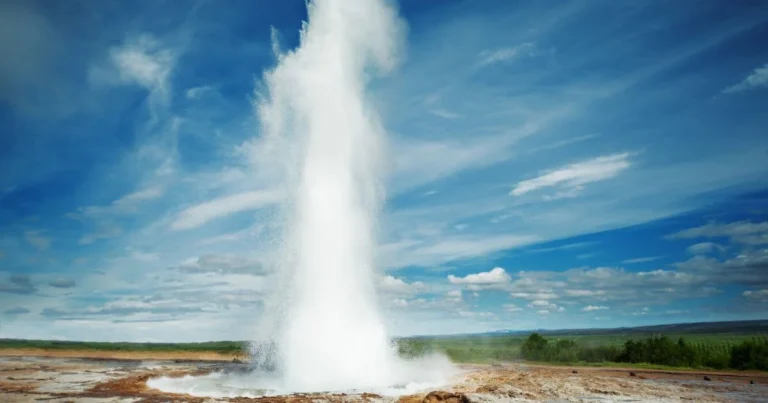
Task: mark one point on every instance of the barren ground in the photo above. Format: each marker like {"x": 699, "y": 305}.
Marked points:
{"x": 121, "y": 377}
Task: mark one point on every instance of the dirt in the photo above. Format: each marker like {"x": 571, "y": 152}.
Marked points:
{"x": 116, "y": 379}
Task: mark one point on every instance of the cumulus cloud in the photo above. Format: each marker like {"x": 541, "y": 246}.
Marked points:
{"x": 200, "y": 214}
{"x": 756, "y": 79}
{"x": 749, "y": 268}
{"x": 495, "y": 276}
{"x": 590, "y": 308}
{"x": 395, "y": 285}
{"x": 62, "y": 283}
{"x": 572, "y": 178}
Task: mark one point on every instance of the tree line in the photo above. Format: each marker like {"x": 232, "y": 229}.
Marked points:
{"x": 658, "y": 350}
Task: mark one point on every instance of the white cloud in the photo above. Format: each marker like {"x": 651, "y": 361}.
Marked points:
{"x": 105, "y": 230}
{"x": 495, "y": 276}
{"x": 143, "y": 62}
{"x": 439, "y": 248}
{"x": 543, "y": 312}
{"x": 756, "y": 295}
{"x": 641, "y": 260}
{"x": 200, "y": 214}
{"x": 534, "y": 296}
{"x": 126, "y": 204}
{"x": 471, "y": 314}
{"x": 34, "y": 238}
{"x": 583, "y": 293}
{"x": 575, "y": 176}
{"x": 453, "y": 296}
{"x": 590, "y": 308}
{"x": 512, "y": 308}
{"x": 399, "y": 303}
{"x": 756, "y": 79}
{"x": 704, "y": 248}
{"x": 506, "y": 54}
{"x": 395, "y": 285}
{"x": 743, "y": 232}
{"x": 148, "y": 193}
{"x": 197, "y": 92}
{"x": 444, "y": 113}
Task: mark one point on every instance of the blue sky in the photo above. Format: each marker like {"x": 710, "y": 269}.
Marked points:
{"x": 552, "y": 165}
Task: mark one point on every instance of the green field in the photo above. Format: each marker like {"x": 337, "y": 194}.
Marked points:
{"x": 729, "y": 345}
{"x": 226, "y": 347}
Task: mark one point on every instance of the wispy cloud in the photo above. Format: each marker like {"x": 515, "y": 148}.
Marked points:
{"x": 743, "y": 232}
{"x": 506, "y": 54}
{"x": 571, "y": 179}
{"x": 590, "y": 308}
{"x": 756, "y": 79}
{"x": 62, "y": 283}
{"x": 200, "y": 214}
{"x": 641, "y": 259}
{"x": 18, "y": 284}
{"x": 142, "y": 61}
{"x": 37, "y": 240}
{"x": 704, "y": 248}
{"x": 197, "y": 92}
{"x": 16, "y": 311}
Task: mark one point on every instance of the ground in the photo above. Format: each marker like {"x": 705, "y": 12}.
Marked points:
{"x": 25, "y": 376}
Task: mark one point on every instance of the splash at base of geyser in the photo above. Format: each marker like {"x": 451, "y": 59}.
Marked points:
{"x": 318, "y": 126}
{"x": 414, "y": 376}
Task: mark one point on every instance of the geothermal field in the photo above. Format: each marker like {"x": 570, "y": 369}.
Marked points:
{"x": 322, "y": 333}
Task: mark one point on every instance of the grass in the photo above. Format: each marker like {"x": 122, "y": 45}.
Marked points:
{"x": 495, "y": 348}
{"x": 233, "y": 347}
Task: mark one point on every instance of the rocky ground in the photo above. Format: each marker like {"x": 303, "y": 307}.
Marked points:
{"x": 57, "y": 379}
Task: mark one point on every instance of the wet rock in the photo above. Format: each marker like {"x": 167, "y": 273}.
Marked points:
{"x": 237, "y": 361}
{"x": 706, "y": 378}
{"x": 750, "y": 382}
{"x": 632, "y": 373}
{"x": 447, "y": 397}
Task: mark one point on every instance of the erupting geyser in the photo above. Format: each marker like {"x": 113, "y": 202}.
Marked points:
{"x": 330, "y": 335}
{"x": 333, "y": 336}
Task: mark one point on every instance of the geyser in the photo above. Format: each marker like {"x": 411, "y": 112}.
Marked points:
{"x": 317, "y": 122}
{"x": 333, "y": 336}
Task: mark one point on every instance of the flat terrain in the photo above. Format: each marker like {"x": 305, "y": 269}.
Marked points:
{"x": 122, "y": 355}
{"x": 56, "y": 379}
